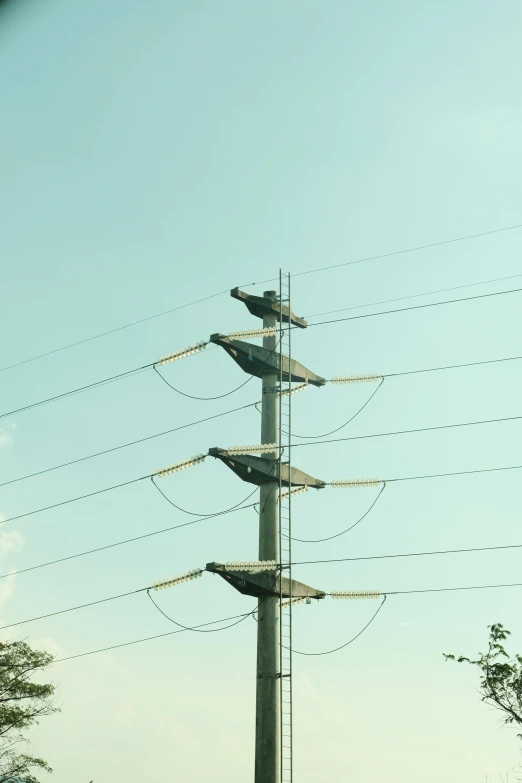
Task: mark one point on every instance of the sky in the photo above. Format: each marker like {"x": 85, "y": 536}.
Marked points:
{"x": 156, "y": 154}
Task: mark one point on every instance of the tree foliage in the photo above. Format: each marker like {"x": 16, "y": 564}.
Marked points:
{"x": 501, "y": 676}
{"x": 22, "y": 703}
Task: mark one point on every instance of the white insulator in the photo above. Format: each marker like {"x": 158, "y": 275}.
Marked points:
{"x": 350, "y": 594}
{"x": 294, "y": 390}
{"x": 300, "y": 600}
{"x": 177, "y": 580}
{"x": 172, "y": 357}
{"x": 188, "y": 463}
{"x": 368, "y": 482}
{"x": 269, "y": 331}
{"x": 251, "y": 565}
{"x": 368, "y": 378}
{"x": 293, "y": 491}
{"x": 259, "y": 448}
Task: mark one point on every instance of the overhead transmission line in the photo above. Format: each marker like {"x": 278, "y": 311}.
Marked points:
{"x": 413, "y": 307}
{"x": 232, "y": 391}
{"x": 149, "y": 638}
{"x": 313, "y": 443}
{"x": 198, "y": 572}
{"x": 462, "y": 365}
{"x": 126, "y": 445}
{"x": 159, "y": 473}
{"x": 410, "y": 432}
{"x": 360, "y": 558}
{"x": 345, "y": 424}
{"x": 87, "y": 552}
{"x": 195, "y": 629}
{"x": 182, "y": 354}
{"x": 127, "y": 374}
{"x": 414, "y": 249}
{"x": 347, "y": 530}
{"x": 251, "y": 505}
{"x": 384, "y": 596}
{"x": 415, "y": 296}
{"x": 111, "y": 331}
{"x": 363, "y": 260}
{"x": 342, "y": 646}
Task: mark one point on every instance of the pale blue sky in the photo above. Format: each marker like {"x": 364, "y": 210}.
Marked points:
{"x": 157, "y": 153}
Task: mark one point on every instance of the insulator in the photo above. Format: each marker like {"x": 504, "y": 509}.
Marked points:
{"x": 260, "y": 448}
{"x": 177, "y": 580}
{"x": 251, "y": 565}
{"x": 349, "y": 594}
{"x": 294, "y": 390}
{"x": 293, "y": 491}
{"x": 188, "y": 463}
{"x": 368, "y": 482}
{"x": 172, "y": 357}
{"x": 269, "y": 331}
{"x": 355, "y": 378}
{"x": 300, "y": 600}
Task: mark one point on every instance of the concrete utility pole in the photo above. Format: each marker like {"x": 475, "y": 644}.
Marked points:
{"x": 267, "y": 690}
{"x": 269, "y": 473}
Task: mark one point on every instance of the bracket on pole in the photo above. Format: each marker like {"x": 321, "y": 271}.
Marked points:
{"x": 260, "y": 470}
{"x": 259, "y": 361}
{"x": 262, "y": 305}
{"x": 264, "y": 583}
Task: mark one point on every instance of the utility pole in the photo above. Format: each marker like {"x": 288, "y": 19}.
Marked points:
{"x": 268, "y": 691}
{"x": 273, "y": 757}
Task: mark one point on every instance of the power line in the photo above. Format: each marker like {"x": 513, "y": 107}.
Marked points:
{"x": 415, "y": 249}
{"x": 413, "y": 307}
{"x": 452, "y": 366}
{"x": 319, "y": 323}
{"x": 389, "y": 480}
{"x": 78, "y": 497}
{"x": 129, "y": 373}
{"x": 354, "y": 416}
{"x": 260, "y": 282}
{"x": 252, "y": 505}
{"x": 147, "y": 638}
{"x": 244, "y": 407}
{"x": 195, "y": 628}
{"x": 337, "y": 535}
{"x": 73, "y": 608}
{"x": 336, "y": 649}
{"x": 78, "y": 390}
{"x": 104, "y": 382}
{"x": 126, "y": 445}
{"x": 112, "y": 331}
{"x": 454, "y": 473}
{"x": 451, "y": 589}
{"x": 410, "y": 432}
{"x": 248, "y": 614}
{"x": 414, "y": 296}
{"x": 193, "y": 397}
{"x": 119, "y": 377}
{"x": 125, "y": 541}
{"x": 193, "y": 513}
{"x": 147, "y": 590}
{"x": 400, "y": 592}
{"x": 410, "y": 554}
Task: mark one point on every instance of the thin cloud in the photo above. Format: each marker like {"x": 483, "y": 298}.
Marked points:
{"x": 5, "y": 439}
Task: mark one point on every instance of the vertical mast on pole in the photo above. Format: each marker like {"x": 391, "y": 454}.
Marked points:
{"x": 267, "y": 693}
{"x": 285, "y": 540}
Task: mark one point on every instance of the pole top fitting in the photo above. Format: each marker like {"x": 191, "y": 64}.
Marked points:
{"x": 268, "y": 304}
